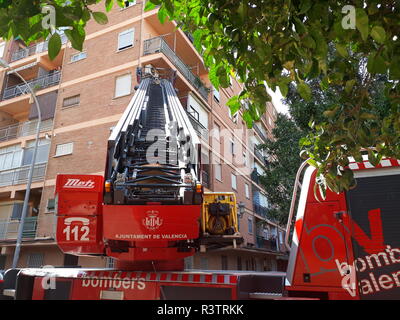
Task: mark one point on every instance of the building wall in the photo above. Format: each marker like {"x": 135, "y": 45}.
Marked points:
{"x": 88, "y": 123}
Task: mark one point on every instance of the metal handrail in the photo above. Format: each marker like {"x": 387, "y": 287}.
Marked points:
{"x": 42, "y": 82}
{"x": 158, "y": 44}
{"x": 293, "y": 203}
{"x": 9, "y": 226}
{"x": 34, "y": 49}
{"x": 19, "y": 175}
{"x": 23, "y": 129}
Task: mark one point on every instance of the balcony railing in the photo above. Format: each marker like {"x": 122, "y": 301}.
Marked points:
{"x": 200, "y": 129}
{"x": 9, "y": 228}
{"x": 205, "y": 179}
{"x": 260, "y": 156}
{"x": 39, "y": 83}
{"x": 260, "y": 210}
{"x": 24, "y": 129}
{"x": 20, "y": 175}
{"x": 268, "y": 244}
{"x": 255, "y": 176}
{"x": 260, "y": 132}
{"x": 34, "y": 49}
{"x": 158, "y": 44}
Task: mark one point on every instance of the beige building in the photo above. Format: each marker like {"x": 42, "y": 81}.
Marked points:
{"x": 82, "y": 96}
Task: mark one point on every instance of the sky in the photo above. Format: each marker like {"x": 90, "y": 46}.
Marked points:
{"x": 277, "y": 101}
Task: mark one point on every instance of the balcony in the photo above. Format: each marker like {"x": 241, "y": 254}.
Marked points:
{"x": 260, "y": 156}
{"x": 268, "y": 244}
{"x": 255, "y": 176}
{"x": 260, "y": 210}
{"x": 24, "y": 129}
{"x": 158, "y": 44}
{"x": 205, "y": 176}
{"x": 34, "y": 49}
{"x": 20, "y": 175}
{"x": 9, "y": 228}
{"x": 38, "y": 83}
{"x": 200, "y": 129}
{"x": 260, "y": 132}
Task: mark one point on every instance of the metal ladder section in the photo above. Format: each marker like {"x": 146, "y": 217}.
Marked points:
{"x": 153, "y": 148}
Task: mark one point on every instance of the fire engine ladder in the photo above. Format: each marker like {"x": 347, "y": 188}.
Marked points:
{"x": 153, "y": 147}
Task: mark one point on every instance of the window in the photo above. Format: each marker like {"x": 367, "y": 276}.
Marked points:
{"x": 10, "y": 157}
{"x": 224, "y": 262}
{"x": 126, "y": 39}
{"x": 51, "y": 205}
{"x": 42, "y": 155}
{"x": 216, "y": 94}
{"x": 64, "y": 149}
{"x": 280, "y": 237}
{"x": 232, "y": 147}
{"x": 2, "y": 47}
{"x": 203, "y": 263}
{"x": 35, "y": 260}
{"x": 217, "y": 130}
{"x": 218, "y": 171}
{"x": 129, "y": 3}
{"x": 250, "y": 224}
{"x": 71, "y": 101}
{"x": 234, "y": 182}
{"x": 235, "y": 116}
{"x": 17, "y": 211}
{"x": 245, "y": 160}
{"x": 247, "y": 191}
{"x": 239, "y": 263}
{"x": 123, "y": 85}
{"x": 110, "y": 263}
{"x": 78, "y": 56}
{"x": 3, "y": 259}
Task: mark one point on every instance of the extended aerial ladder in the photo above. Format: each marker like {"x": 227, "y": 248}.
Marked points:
{"x": 149, "y": 210}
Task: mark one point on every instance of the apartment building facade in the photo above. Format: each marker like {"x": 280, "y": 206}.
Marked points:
{"x": 82, "y": 96}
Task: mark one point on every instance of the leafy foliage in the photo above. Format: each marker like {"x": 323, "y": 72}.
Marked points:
{"x": 279, "y": 179}
{"x": 303, "y": 42}
{"x": 275, "y": 43}
{"x": 23, "y": 19}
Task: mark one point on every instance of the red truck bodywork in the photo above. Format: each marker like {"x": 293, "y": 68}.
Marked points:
{"x": 347, "y": 245}
{"x": 128, "y": 233}
{"x": 75, "y": 284}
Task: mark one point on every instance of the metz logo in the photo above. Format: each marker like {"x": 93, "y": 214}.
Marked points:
{"x": 77, "y": 183}
{"x": 152, "y": 221}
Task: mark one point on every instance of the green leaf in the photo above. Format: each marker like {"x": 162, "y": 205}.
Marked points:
{"x": 305, "y": 5}
{"x": 376, "y": 64}
{"x": 54, "y": 46}
{"x": 109, "y": 5}
{"x": 342, "y": 50}
{"x": 76, "y": 36}
{"x": 100, "y": 17}
{"x": 378, "y": 34}
{"x": 162, "y": 14}
{"x": 362, "y": 23}
{"x": 304, "y": 91}
{"x": 149, "y": 6}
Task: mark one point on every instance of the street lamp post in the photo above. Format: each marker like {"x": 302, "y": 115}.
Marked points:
{"x": 4, "y": 64}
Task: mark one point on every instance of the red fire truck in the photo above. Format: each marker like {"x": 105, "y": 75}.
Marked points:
{"x": 151, "y": 214}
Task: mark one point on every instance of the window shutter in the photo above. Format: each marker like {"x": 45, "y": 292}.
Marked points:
{"x": 47, "y": 104}
{"x": 64, "y": 149}
{"x": 2, "y": 47}
{"x": 126, "y": 39}
{"x": 123, "y": 85}
{"x": 17, "y": 211}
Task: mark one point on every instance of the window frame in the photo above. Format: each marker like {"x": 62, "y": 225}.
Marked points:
{"x": 116, "y": 86}
{"x": 119, "y": 48}
{"x": 64, "y": 154}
